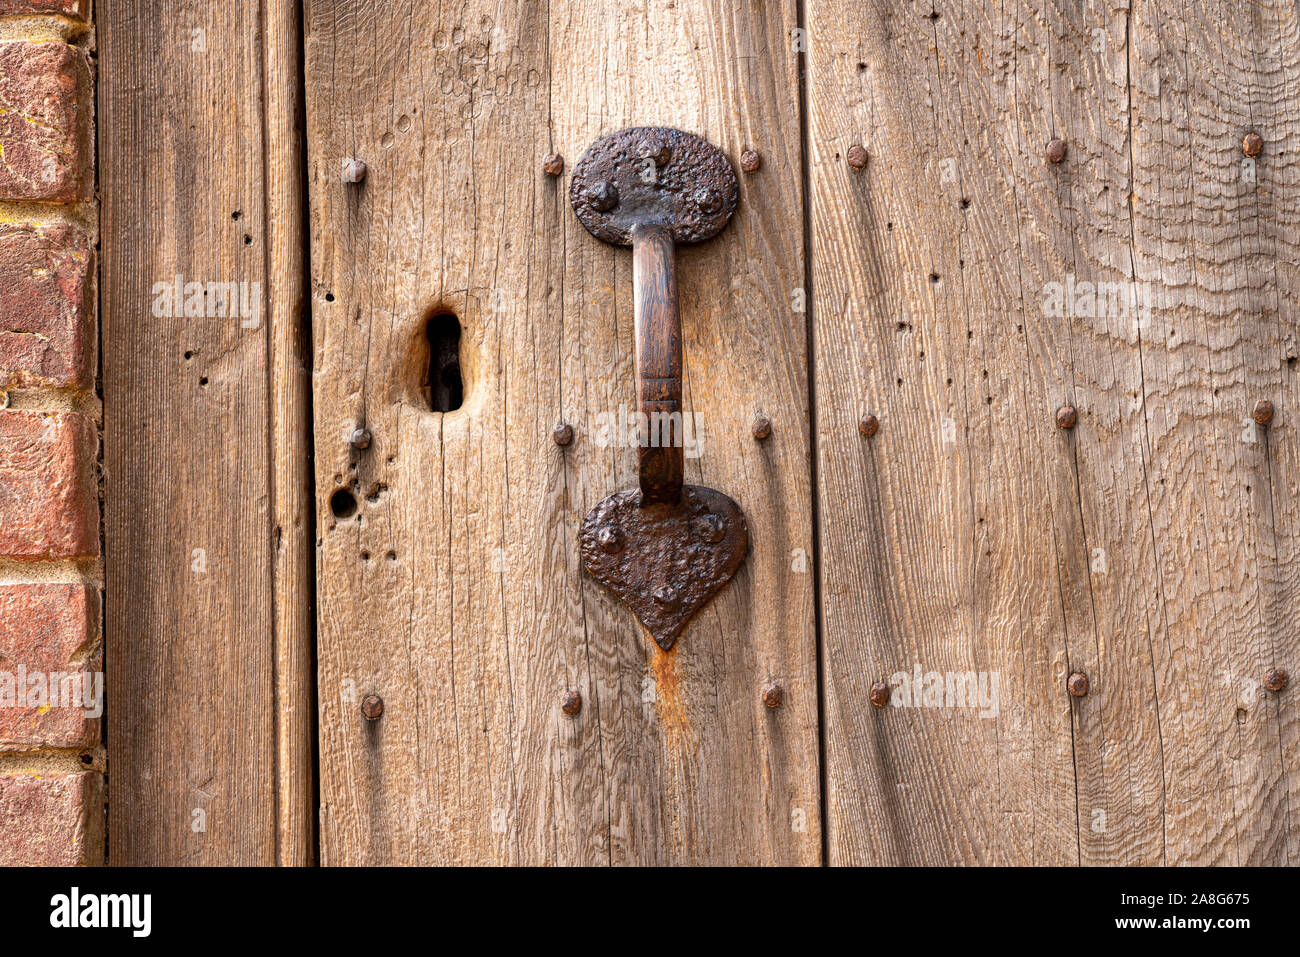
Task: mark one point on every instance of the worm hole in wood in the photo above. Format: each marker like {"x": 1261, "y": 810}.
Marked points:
{"x": 343, "y": 504}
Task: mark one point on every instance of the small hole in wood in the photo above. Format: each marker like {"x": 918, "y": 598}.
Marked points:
{"x": 343, "y": 504}
{"x": 443, "y": 386}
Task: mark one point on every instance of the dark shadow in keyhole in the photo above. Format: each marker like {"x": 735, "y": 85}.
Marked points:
{"x": 444, "y": 388}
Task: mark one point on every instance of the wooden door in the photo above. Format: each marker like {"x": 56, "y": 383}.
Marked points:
{"x": 914, "y": 290}
{"x": 449, "y": 578}
{"x": 966, "y": 288}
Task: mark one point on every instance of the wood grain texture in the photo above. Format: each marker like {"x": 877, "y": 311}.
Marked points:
{"x": 1152, "y": 547}
{"x": 456, "y": 591}
{"x": 292, "y": 482}
{"x": 195, "y": 595}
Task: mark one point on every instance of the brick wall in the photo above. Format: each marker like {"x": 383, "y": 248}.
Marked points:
{"x": 51, "y": 759}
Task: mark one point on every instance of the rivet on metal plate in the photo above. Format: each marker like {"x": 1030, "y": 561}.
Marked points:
{"x": 665, "y": 549}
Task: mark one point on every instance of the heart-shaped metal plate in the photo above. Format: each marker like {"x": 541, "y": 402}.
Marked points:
{"x": 665, "y": 561}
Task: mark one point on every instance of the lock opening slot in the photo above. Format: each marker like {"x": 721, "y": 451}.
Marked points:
{"x": 443, "y": 386}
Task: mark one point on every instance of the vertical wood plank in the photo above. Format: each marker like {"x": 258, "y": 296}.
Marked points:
{"x": 190, "y": 498}
{"x": 1217, "y": 229}
{"x": 971, "y": 535}
{"x": 292, "y": 484}
{"x": 455, "y": 591}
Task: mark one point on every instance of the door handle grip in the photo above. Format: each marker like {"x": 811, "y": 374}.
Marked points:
{"x": 658, "y": 327}
{"x": 665, "y": 549}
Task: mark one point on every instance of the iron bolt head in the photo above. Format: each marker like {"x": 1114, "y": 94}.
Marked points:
{"x": 1056, "y": 151}
{"x": 880, "y": 694}
{"x": 1263, "y": 413}
{"x": 1252, "y": 144}
{"x": 668, "y": 596}
{"x": 1077, "y": 684}
{"x": 354, "y": 171}
{"x": 868, "y": 425}
{"x": 1067, "y": 417}
{"x": 360, "y": 438}
{"x": 857, "y": 156}
{"x": 750, "y": 161}
{"x": 709, "y": 527}
{"x": 553, "y": 164}
{"x": 1277, "y": 679}
{"x": 604, "y": 196}
{"x": 773, "y": 695}
{"x": 610, "y": 539}
{"x": 709, "y": 200}
{"x": 659, "y": 152}
{"x": 562, "y": 434}
{"x": 372, "y": 707}
{"x": 762, "y": 427}
{"x": 571, "y": 703}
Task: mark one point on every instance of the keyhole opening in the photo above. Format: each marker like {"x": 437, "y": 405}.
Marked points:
{"x": 444, "y": 387}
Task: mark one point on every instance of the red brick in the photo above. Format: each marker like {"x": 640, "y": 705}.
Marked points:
{"x": 45, "y": 143}
{"x": 45, "y": 315}
{"x": 51, "y": 819}
{"x": 47, "y": 628}
{"x": 67, "y": 8}
{"x": 49, "y": 497}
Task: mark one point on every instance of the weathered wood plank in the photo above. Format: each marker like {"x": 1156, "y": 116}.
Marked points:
{"x": 1217, "y": 230}
{"x": 971, "y": 535}
{"x": 456, "y": 591}
{"x": 292, "y": 482}
{"x": 191, "y": 619}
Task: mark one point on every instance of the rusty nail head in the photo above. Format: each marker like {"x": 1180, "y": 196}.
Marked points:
{"x": 571, "y": 703}
{"x": 709, "y": 200}
{"x": 553, "y": 164}
{"x": 762, "y": 427}
{"x": 610, "y": 539}
{"x": 880, "y": 694}
{"x": 604, "y": 196}
{"x": 372, "y": 707}
{"x": 773, "y": 695}
{"x": 354, "y": 171}
{"x": 1066, "y": 417}
{"x": 868, "y": 425}
{"x": 562, "y": 434}
{"x": 1263, "y": 413}
{"x": 709, "y": 527}
{"x": 361, "y": 438}
{"x": 750, "y": 161}
{"x": 1276, "y": 679}
{"x": 1077, "y": 684}
{"x": 1252, "y": 144}
{"x": 668, "y": 596}
{"x": 654, "y": 148}
{"x": 1055, "y": 151}
{"x": 857, "y": 156}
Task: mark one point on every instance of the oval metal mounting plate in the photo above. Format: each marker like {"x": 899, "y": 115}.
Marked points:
{"x": 660, "y": 176}
{"x": 666, "y": 548}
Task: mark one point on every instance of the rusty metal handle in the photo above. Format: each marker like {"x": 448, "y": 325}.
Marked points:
{"x": 658, "y": 363}
{"x": 665, "y": 549}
